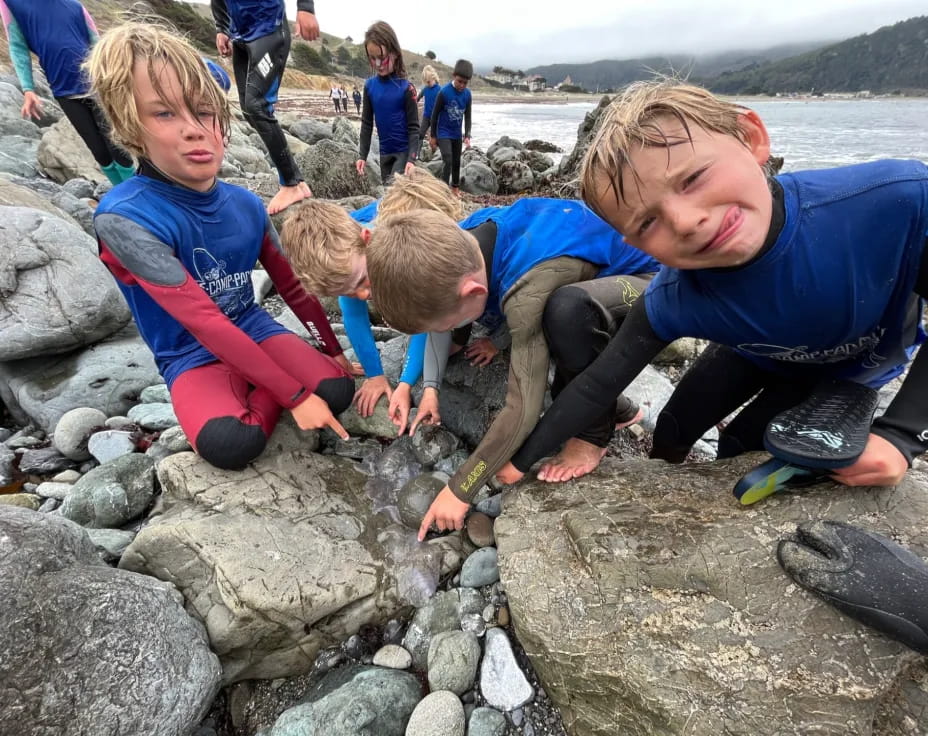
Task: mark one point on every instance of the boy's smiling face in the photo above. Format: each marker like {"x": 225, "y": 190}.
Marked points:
{"x": 701, "y": 202}
{"x": 188, "y": 148}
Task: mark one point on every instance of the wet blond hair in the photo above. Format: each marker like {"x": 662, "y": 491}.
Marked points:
{"x": 320, "y": 238}
{"x": 634, "y": 119}
{"x": 110, "y": 67}
{"x": 429, "y": 74}
{"x": 415, "y": 261}
{"x": 419, "y": 190}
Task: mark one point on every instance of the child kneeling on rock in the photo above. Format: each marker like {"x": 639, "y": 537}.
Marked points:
{"x": 805, "y": 277}
{"x": 500, "y": 266}
{"x": 182, "y": 245}
{"x": 326, "y": 246}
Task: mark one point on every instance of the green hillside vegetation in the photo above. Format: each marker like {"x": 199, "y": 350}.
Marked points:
{"x": 891, "y": 60}
{"x": 611, "y": 74}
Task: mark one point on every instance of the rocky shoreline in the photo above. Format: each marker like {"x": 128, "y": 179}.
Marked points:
{"x": 143, "y": 591}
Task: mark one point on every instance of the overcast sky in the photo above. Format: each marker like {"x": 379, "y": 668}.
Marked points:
{"x": 521, "y": 34}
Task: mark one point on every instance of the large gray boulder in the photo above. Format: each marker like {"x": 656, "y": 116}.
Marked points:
{"x": 18, "y": 155}
{"x": 109, "y": 377}
{"x": 63, "y": 155}
{"x": 329, "y": 169}
{"x": 283, "y": 558}
{"x": 656, "y": 605}
{"x": 88, "y": 649}
{"x": 55, "y": 294}
{"x": 14, "y": 194}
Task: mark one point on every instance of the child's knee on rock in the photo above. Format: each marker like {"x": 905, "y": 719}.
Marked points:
{"x": 337, "y": 392}
{"x": 228, "y": 443}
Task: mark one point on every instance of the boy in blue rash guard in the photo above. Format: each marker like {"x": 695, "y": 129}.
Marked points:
{"x": 256, "y": 34}
{"x": 429, "y": 92}
{"x": 62, "y": 46}
{"x": 501, "y": 265}
{"x": 389, "y": 100}
{"x": 809, "y": 276}
{"x": 181, "y": 246}
{"x": 452, "y": 106}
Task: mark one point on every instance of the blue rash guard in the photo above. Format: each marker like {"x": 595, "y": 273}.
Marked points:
{"x": 59, "y": 32}
{"x": 389, "y": 97}
{"x": 246, "y": 20}
{"x": 429, "y": 93}
{"x": 836, "y": 288}
{"x": 452, "y": 112}
{"x": 534, "y": 229}
{"x": 358, "y": 326}
{"x": 183, "y": 261}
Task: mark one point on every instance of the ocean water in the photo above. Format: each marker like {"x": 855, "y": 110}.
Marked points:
{"x": 809, "y": 134}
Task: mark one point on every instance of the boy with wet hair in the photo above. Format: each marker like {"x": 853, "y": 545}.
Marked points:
{"x": 181, "y": 246}
{"x": 798, "y": 279}
{"x": 499, "y": 267}
{"x": 327, "y": 247}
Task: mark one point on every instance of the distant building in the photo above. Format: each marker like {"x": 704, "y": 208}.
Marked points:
{"x": 536, "y": 83}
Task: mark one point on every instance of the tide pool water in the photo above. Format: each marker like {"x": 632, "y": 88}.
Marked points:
{"x": 809, "y": 134}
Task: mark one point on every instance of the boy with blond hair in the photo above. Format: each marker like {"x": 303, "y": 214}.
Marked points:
{"x": 802, "y": 278}
{"x": 500, "y": 266}
{"x": 181, "y": 246}
{"x": 327, "y": 246}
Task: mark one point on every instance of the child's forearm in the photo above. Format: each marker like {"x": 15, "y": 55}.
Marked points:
{"x": 19, "y": 49}
{"x": 905, "y": 423}
{"x": 357, "y": 320}
{"x": 435, "y": 359}
{"x": 367, "y": 126}
{"x": 412, "y": 125}
{"x": 467, "y": 120}
{"x": 415, "y": 357}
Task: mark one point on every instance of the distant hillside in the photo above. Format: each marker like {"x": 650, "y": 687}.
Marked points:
{"x": 612, "y": 74}
{"x": 893, "y": 59}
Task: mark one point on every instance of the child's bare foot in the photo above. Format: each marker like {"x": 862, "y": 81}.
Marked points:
{"x": 576, "y": 459}
{"x": 287, "y": 196}
{"x": 638, "y": 417}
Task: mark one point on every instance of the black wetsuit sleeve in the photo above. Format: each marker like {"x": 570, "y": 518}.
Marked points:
{"x": 412, "y": 123}
{"x": 367, "y": 125}
{"x": 467, "y": 118}
{"x": 308, "y": 6}
{"x": 436, "y": 111}
{"x": 905, "y": 423}
{"x": 630, "y": 350}
{"x": 221, "y": 15}
{"x": 421, "y": 92}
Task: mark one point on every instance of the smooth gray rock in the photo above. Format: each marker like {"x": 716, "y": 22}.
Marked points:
{"x": 311, "y": 130}
{"x": 57, "y": 294}
{"x": 486, "y": 722}
{"x": 112, "y": 494}
{"x": 32, "y": 193}
{"x": 157, "y": 394}
{"x": 111, "y": 542}
{"x": 62, "y": 155}
{"x": 653, "y": 580}
{"x": 153, "y": 416}
{"x": 80, "y": 188}
{"x": 351, "y": 701}
{"x": 480, "y": 568}
{"x": 452, "y": 661}
{"x": 74, "y": 429}
{"x": 393, "y": 656}
{"x": 502, "y": 682}
{"x": 478, "y": 178}
{"x": 7, "y": 456}
{"x": 110, "y": 444}
{"x": 416, "y": 496}
{"x": 109, "y": 378}
{"x": 18, "y": 155}
{"x": 440, "y": 713}
{"x": 89, "y": 649}
{"x": 377, "y": 424}
{"x": 44, "y": 461}
{"x": 50, "y": 489}
{"x": 432, "y": 443}
{"x": 305, "y": 562}
{"x": 442, "y": 613}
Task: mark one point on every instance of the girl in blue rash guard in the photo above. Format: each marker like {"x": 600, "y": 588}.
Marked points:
{"x": 452, "y": 106}
{"x": 429, "y": 92}
{"x": 389, "y": 100}
{"x": 61, "y": 47}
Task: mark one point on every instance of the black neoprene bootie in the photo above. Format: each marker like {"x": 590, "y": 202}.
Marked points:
{"x": 864, "y": 575}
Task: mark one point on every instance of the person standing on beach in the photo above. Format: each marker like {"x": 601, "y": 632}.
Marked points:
{"x": 343, "y": 94}
{"x": 335, "y": 97}
{"x": 255, "y": 33}
{"x": 61, "y": 47}
{"x": 452, "y": 105}
{"x": 389, "y": 101}
{"x": 429, "y": 91}
{"x": 356, "y": 96}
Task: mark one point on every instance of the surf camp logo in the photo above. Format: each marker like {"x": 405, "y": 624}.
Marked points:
{"x": 863, "y": 349}
{"x": 231, "y": 292}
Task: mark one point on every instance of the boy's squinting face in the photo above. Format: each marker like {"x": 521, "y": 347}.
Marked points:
{"x": 187, "y": 148}
{"x": 704, "y": 204}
